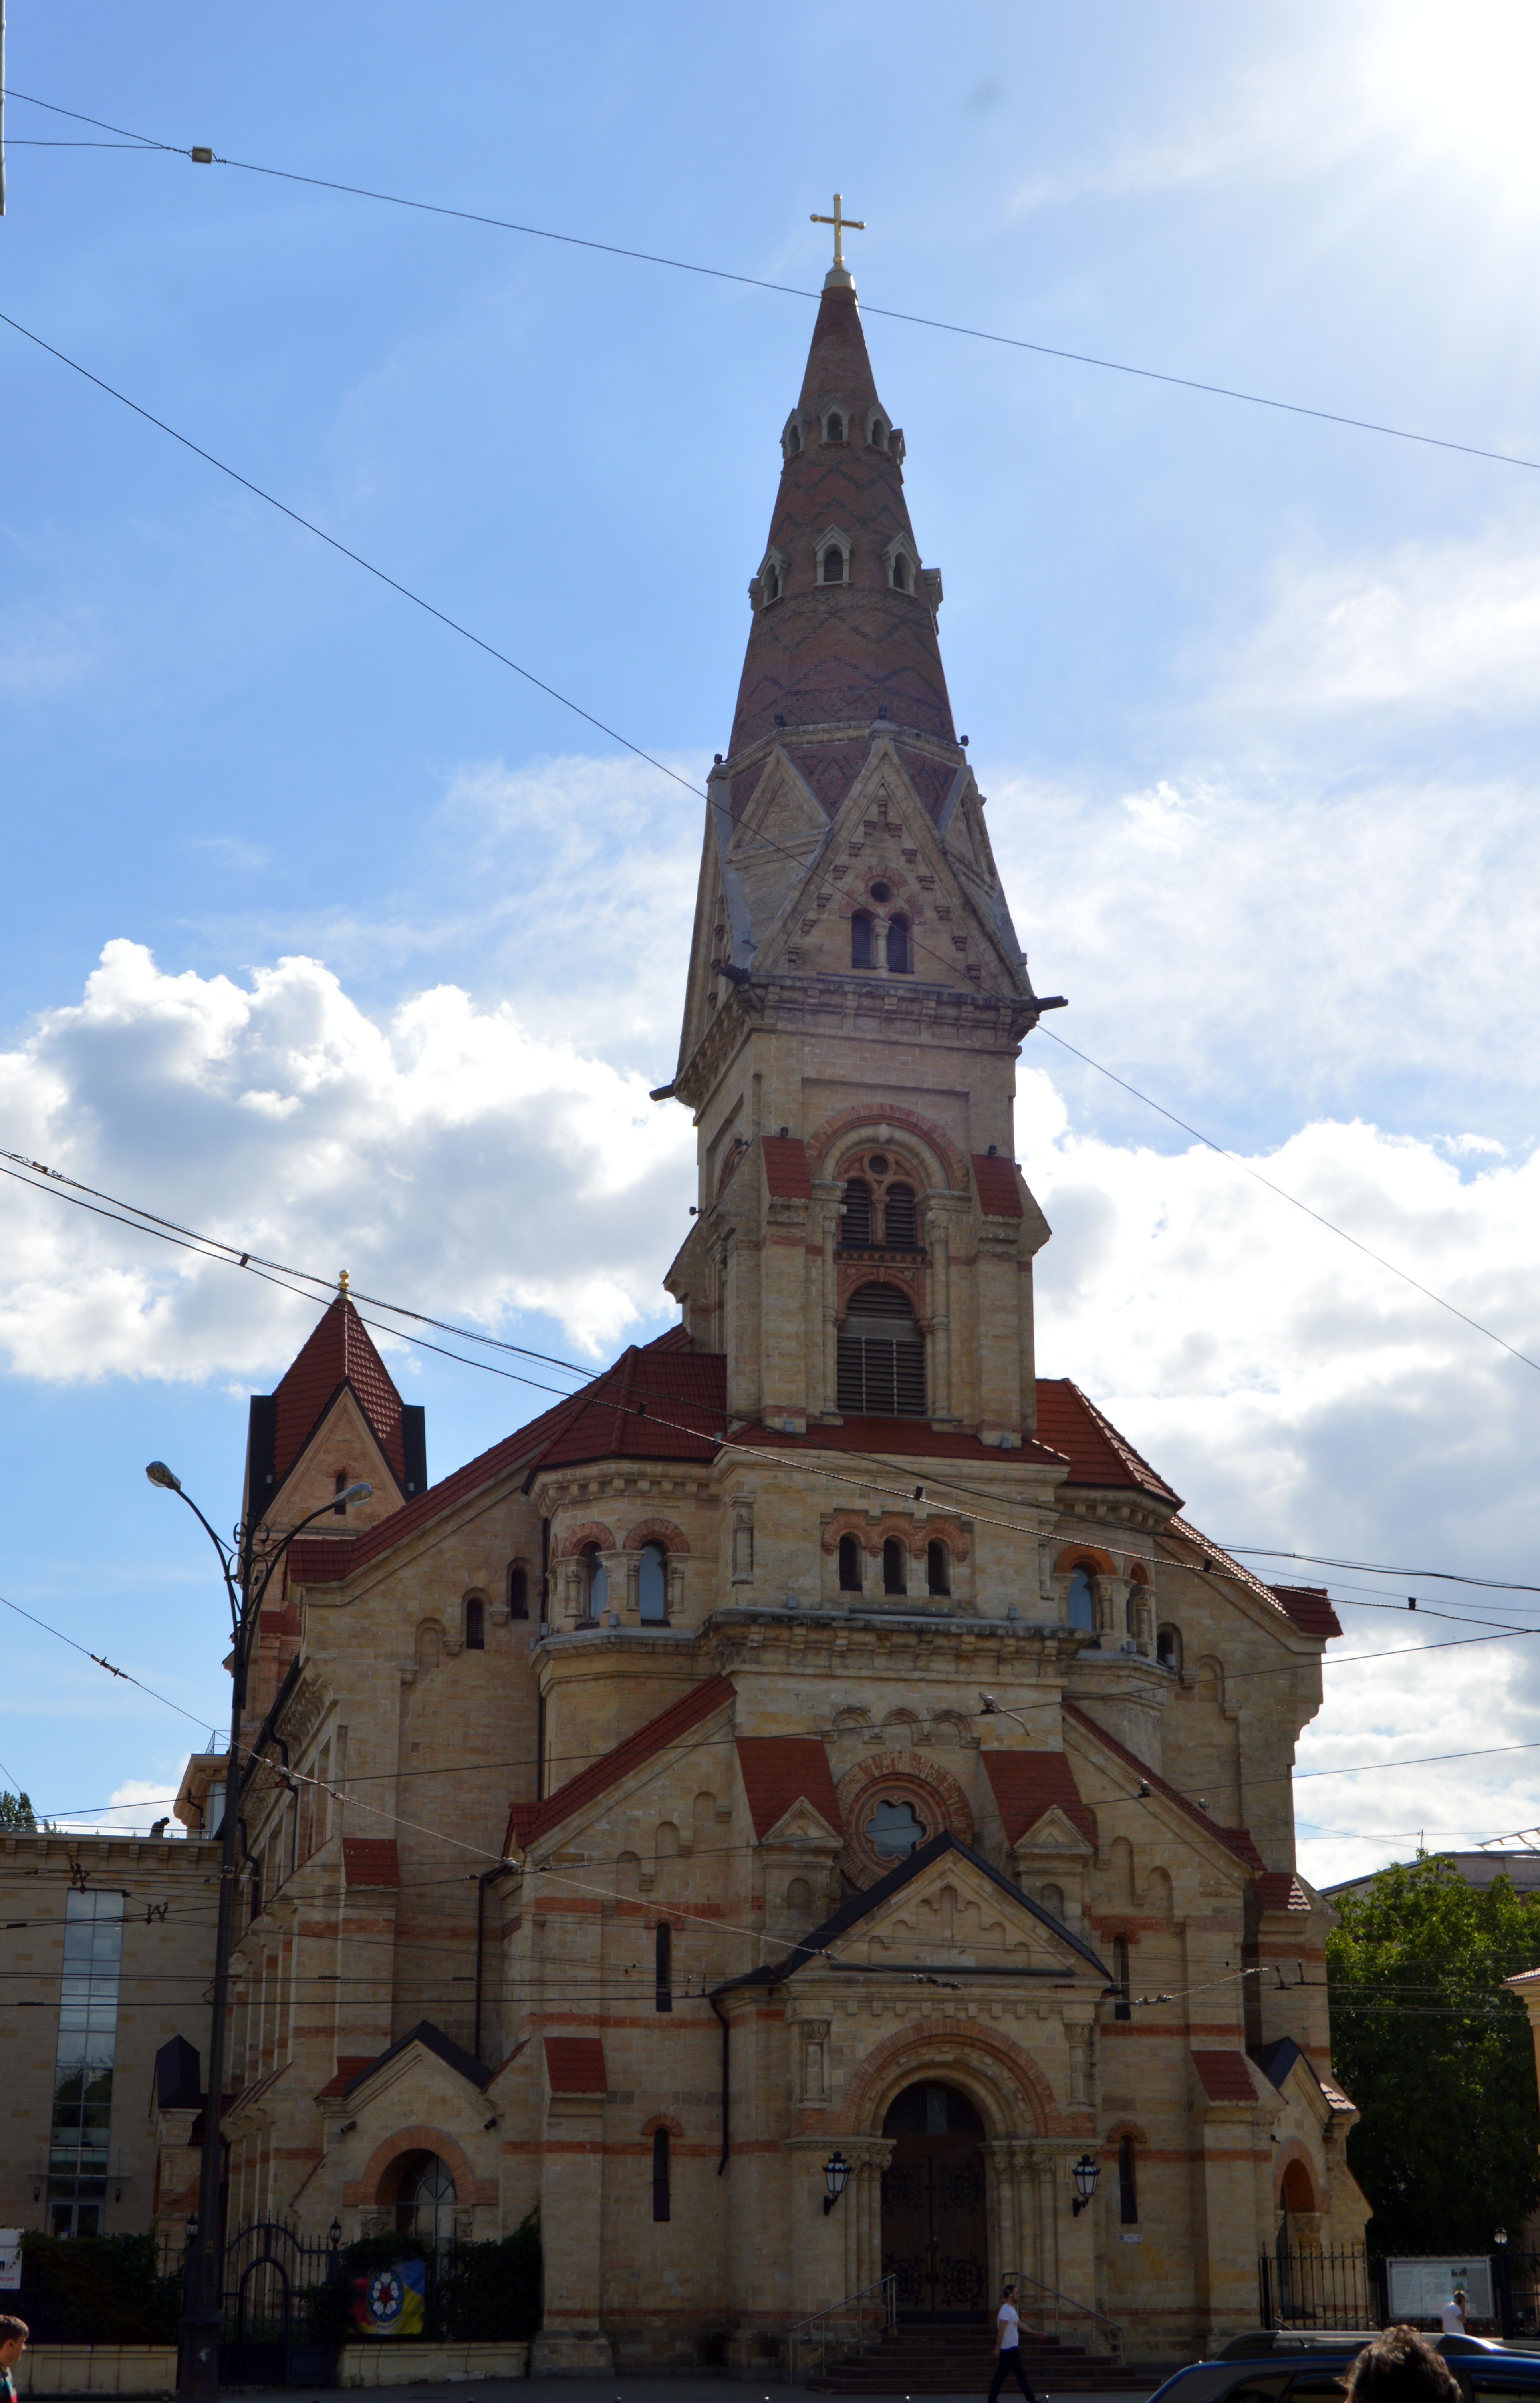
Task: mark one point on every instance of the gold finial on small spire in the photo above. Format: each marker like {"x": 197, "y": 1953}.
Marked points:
{"x": 839, "y": 272}
{"x": 342, "y": 1281}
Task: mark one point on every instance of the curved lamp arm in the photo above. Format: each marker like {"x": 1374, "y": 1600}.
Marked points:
{"x": 242, "y": 1600}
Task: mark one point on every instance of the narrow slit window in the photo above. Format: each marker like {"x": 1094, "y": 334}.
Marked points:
{"x": 901, "y": 574}
{"x": 599, "y": 1583}
{"x": 850, "y": 1565}
{"x": 1128, "y": 2191}
{"x": 1122, "y": 2008}
{"x": 1167, "y": 1647}
{"x": 652, "y": 1585}
{"x": 899, "y": 947}
{"x": 661, "y": 2173}
{"x": 662, "y": 1967}
{"x": 893, "y": 1565}
{"x": 835, "y": 430}
{"x": 834, "y": 565}
{"x": 938, "y": 1568}
{"x": 1080, "y": 1604}
{"x": 860, "y": 939}
{"x": 518, "y": 1592}
{"x": 900, "y": 1219}
{"x": 475, "y": 1623}
{"x": 856, "y": 1221}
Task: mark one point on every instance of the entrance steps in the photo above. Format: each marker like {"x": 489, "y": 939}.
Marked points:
{"x": 957, "y": 2357}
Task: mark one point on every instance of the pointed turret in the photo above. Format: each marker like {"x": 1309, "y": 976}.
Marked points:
{"x": 844, "y": 613}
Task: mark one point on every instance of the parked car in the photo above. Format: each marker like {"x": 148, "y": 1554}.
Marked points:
{"x": 1273, "y": 2365}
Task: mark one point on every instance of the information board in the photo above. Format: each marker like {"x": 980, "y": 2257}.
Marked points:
{"x": 1419, "y": 2289}
{"x": 10, "y": 2259}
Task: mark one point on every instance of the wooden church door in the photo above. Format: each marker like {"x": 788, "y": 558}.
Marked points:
{"x": 934, "y": 2233}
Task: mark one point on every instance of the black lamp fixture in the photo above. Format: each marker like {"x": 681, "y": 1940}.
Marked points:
{"x": 1085, "y": 2174}
{"x": 334, "y": 2234}
{"x": 1499, "y": 2235}
{"x": 192, "y": 2227}
{"x": 835, "y": 2175}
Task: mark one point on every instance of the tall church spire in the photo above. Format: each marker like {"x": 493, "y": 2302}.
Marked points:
{"x": 844, "y": 613}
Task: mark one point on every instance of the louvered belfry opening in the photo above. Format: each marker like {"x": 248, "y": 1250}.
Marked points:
{"x": 882, "y": 1362}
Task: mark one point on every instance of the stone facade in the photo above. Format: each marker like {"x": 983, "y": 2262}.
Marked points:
{"x": 819, "y": 1732}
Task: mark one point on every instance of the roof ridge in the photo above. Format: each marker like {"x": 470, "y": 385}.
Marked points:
{"x": 1235, "y": 1840}
{"x": 655, "y": 1734}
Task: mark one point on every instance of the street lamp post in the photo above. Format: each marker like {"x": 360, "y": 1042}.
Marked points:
{"x": 247, "y": 1585}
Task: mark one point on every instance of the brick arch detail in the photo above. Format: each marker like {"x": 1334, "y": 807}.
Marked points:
{"x": 1084, "y": 1556}
{"x": 468, "y": 2187}
{"x": 870, "y": 1115}
{"x": 915, "y": 1534}
{"x": 592, "y": 1531}
{"x": 911, "y": 2044}
{"x": 856, "y": 1274}
{"x": 905, "y": 895}
{"x": 655, "y": 1531}
{"x": 907, "y": 1769}
{"x": 1294, "y": 2154}
{"x": 661, "y": 2119}
{"x": 1116, "y": 2133}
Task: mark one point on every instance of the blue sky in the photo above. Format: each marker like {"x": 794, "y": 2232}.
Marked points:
{"x": 327, "y": 933}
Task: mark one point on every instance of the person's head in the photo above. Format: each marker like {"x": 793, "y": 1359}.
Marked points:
{"x": 1007, "y": 2292}
{"x": 1401, "y": 2366}
{"x": 13, "y": 2340}
{"x": 1460, "y": 2296}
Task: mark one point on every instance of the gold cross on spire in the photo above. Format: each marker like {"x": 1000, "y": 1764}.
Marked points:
{"x": 840, "y": 221}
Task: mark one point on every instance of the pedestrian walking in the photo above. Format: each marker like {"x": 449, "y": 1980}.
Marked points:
{"x": 1007, "y": 2351}
{"x": 1401, "y": 2366}
{"x": 13, "y": 2345}
{"x": 1453, "y": 2313}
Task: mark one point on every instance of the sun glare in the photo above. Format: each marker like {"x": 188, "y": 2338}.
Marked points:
{"x": 1465, "y": 74}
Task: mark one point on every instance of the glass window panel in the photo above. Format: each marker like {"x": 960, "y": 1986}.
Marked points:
{"x": 106, "y": 1943}
{"x": 78, "y": 1938}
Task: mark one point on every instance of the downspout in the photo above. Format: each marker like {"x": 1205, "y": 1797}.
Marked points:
{"x": 726, "y": 2059}
{"x": 481, "y": 1884}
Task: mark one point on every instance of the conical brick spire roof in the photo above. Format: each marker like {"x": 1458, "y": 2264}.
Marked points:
{"x": 843, "y": 654}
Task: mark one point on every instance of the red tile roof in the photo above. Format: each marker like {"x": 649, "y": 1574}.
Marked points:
{"x": 528, "y": 1823}
{"x": 1310, "y": 1607}
{"x": 1280, "y": 1890}
{"x": 348, "y": 2066}
{"x": 370, "y": 1860}
{"x": 339, "y": 1351}
{"x": 659, "y": 1401}
{"x": 575, "y": 2064}
{"x": 1025, "y": 1785}
{"x": 780, "y": 1769}
{"x": 1235, "y": 1840}
{"x": 1097, "y": 1453}
{"x": 1225, "y": 2077}
{"x": 999, "y": 1183}
{"x": 786, "y": 1169}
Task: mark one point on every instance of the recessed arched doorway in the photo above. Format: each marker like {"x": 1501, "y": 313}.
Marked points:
{"x": 935, "y": 2231}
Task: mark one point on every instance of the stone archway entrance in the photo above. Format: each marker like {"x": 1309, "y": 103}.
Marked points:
{"x": 935, "y": 2229}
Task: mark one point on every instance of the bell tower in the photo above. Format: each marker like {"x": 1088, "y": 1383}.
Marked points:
{"x": 856, "y": 996}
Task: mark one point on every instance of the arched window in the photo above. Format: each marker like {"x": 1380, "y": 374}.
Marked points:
{"x": 598, "y": 1582}
{"x": 662, "y": 1967}
{"x": 1297, "y": 2194}
{"x": 770, "y": 584}
{"x": 860, "y": 939}
{"x": 879, "y": 434}
{"x": 900, "y": 573}
{"x": 424, "y": 2200}
{"x": 798, "y": 1898}
{"x": 1122, "y": 2008}
{"x": 900, "y": 1223}
{"x": 652, "y": 1584}
{"x": 834, "y": 563}
{"x": 894, "y": 1565}
{"x": 855, "y": 1222}
{"x": 938, "y": 1568}
{"x": 1167, "y": 1647}
{"x": 834, "y": 431}
{"x": 519, "y": 1590}
{"x": 1130, "y": 1609}
{"x": 661, "y": 2173}
{"x": 794, "y": 437}
{"x": 475, "y": 1623}
{"x": 1128, "y": 2193}
{"x": 899, "y": 947}
{"x": 850, "y": 1565}
{"x": 340, "y": 1483}
{"x": 881, "y": 1357}
{"x": 1080, "y": 1606}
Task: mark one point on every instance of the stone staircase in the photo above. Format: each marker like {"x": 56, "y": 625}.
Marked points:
{"x": 957, "y": 2357}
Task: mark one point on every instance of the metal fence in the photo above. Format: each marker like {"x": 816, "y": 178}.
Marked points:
{"x": 1346, "y": 2287}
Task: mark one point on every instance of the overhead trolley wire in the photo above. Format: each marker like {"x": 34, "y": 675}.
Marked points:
{"x": 792, "y": 291}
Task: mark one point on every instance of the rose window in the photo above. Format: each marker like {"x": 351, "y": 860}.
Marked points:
{"x": 894, "y": 1829}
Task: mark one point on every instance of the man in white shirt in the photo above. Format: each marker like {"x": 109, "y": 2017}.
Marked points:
{"x": 1453, "y": 2313}
{"x": 1008, "y": 2359}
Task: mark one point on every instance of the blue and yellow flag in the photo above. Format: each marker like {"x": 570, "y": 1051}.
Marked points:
{"x": 390, "y": 2303}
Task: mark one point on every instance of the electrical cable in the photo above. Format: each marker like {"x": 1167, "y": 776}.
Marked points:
{"x": 1443, "y": 1576}
{"x": 198, "y": 1719}
{"x": 792, "y": 291}
{"x": 357, "y": 558}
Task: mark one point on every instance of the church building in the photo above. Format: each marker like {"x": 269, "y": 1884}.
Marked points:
{"x": 807, "y": 1807}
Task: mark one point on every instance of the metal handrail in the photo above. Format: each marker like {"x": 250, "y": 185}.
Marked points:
{"x": 886, "y": 2309}
{"x": 1115, "y": 2328}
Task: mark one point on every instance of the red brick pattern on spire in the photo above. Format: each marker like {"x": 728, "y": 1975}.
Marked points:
{"x": 831, "y": 655}
{"x": 338, "y": 1350}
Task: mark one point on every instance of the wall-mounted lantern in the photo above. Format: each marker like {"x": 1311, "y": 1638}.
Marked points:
{"x": 1085, "y": 2174}
{"x": 835, "y": 2176}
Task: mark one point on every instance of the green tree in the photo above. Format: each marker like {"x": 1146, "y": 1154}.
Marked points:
{"x": 15, "y": 1811}
{"x": 1438, "y": 2058}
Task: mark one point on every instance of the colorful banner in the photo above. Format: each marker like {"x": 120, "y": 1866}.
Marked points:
{"x": 390, "y": 2303}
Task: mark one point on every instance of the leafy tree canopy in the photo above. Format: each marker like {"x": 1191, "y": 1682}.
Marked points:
{"x": 1438, "y": 2058}
{"x": 15, "y": 1811}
